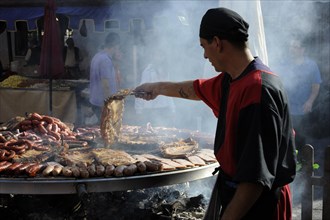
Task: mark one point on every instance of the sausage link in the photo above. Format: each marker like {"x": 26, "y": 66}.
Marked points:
{"x": 83, "y": 173}
{"x": 42, "y": 129}
{"x": 119, "y": 170}
{"x": 48, "y": 170}
{"x": 152, "y": 166}
{"x": 141, "y": 167}
{"x": 47, "y": 119}
{"x": 14, "y": 166}
{"x": 33, "y": 170}
{"x": 4, "y": 166}
{"x": 130, "y": 170}
{"x": 75, "y": 171}
{"x": 57, "y": 170}
{"x": 66, "y": 171}
{"x": 36, "y": 116}
{"x": 91, "y": 169}
{"x": 100, "y": 170}
{"x": 109, "y": 170}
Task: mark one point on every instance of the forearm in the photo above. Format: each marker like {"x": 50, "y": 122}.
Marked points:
{"x": 315, "y": 92}
{"x": 178, "y": 90}
{"x": 246, "y": 195}
{"x": 309, "y": 103}
{"x": 172, "y": 89}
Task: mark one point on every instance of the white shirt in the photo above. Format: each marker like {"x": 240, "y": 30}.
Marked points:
{"x": 151, "y": 74}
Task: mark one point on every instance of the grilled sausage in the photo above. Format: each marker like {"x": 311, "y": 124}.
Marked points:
{"x": 4, "y": 166}
{"x": 22, "y": 168}
{"x": 100, "y": 170}
{"x": 141, "y": 167}
{"x": 75, "y": 171}
{"x": 119, "y": 170}
{"x": 84, "y": 173}
{"x": 47, "y": 119}
{"x": 66, "y": 171}
{"x": 7, "y": 155}
{"x": 151, "y": 166}
{"x": 14, "y": 166}
{"x": 42, "y": 129}
{"x": 33, "y": 170}
{"x": 109, "y": 170}
{"x": 36, "y": 116}
{"x": 91, "y": 169}
{"x": 48, "y": 170}
{"x": 130, "y": 170}
{"x": 57, "y": 170}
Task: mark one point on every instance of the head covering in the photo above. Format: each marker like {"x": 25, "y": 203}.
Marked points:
{"x": 224, "y": 23}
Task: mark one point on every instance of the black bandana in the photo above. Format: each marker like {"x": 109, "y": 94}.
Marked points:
{"x": 224, "y": 23}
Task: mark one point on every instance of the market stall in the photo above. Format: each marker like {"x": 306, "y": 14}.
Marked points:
{"x": 14, "y": 102}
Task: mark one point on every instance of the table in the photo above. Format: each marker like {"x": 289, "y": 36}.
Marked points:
{"x": 16, "y": 102}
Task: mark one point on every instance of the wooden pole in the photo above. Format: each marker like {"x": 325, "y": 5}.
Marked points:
{"x": 326, "y": 186}
{"x": 307, "y": 173}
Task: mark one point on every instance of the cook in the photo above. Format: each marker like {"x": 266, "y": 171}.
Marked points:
{"x": 254, "y": 141}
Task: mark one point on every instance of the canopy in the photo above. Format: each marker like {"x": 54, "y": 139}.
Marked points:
{"x": 122, "y": 11}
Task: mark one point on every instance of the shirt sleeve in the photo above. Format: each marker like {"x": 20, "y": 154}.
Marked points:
{"x": 258, "y": 148}
{"x": 208, "y": 90}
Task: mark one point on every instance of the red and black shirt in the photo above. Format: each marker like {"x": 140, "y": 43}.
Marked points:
{"x": 254, "y": 139}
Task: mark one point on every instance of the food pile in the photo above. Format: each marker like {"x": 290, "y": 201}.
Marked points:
{"x": 43, "y": 146}
{"x": 13, "y": 81}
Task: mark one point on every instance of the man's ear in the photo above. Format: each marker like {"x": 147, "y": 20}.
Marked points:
{"x": 218, "y": 43}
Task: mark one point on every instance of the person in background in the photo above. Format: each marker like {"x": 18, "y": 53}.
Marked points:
{"x": 159, "y": 112}
{"x": 302, "y": 79}
{"x": 254, "y": 140}
{"x": 103, "y": 75}
{"x": 71, "y": 56}
{"x": 32, "y": 57}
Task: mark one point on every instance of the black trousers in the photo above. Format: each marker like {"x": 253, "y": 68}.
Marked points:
{"x": 223, "y": 192}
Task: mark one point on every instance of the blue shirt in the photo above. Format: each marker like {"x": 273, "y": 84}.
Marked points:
{"x": 101, "y": 68}
{"x": 298, "y": 81}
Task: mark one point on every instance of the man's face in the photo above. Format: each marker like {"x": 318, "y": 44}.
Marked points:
{"x": 210, "y": 53}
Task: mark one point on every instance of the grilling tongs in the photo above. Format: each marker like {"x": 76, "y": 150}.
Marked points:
{"x": 124, "y": 93}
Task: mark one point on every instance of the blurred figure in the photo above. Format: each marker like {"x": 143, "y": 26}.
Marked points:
{"x": 32, "y": 57}
{"x": 302, "y": 79}
{"x": 71, "y": 56}
{"x": 103, "y": 74}
{"x": 161, "y": 111}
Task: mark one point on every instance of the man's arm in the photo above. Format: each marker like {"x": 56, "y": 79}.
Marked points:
{"x": 309, "y": 103}
{"x": 245, "y": 196}
{"x": 183, "y": 89}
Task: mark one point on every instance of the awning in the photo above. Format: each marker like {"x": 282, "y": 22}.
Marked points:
{"x": 123, "y": 12}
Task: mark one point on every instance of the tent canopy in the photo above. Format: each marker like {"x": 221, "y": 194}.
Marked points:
{"x": 122, "y": 11}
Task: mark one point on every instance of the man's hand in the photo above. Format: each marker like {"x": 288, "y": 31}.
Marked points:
{"x": 147, "y": 91}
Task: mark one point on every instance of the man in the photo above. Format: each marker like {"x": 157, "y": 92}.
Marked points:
{"x": 32, "y": 57}
{"x": 254, "y": 141}
{"x": 71, "y": 56}
{"x": 103, "y": 79}
{"x": 302, "y": 79}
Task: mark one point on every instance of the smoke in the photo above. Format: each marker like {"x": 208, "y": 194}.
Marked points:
{"x": 174, "y": 35}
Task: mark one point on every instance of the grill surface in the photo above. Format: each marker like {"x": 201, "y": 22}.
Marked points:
{"x": 59, "y": 185}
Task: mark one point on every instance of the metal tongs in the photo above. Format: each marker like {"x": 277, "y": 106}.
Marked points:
{"x": 124, "y": 93}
